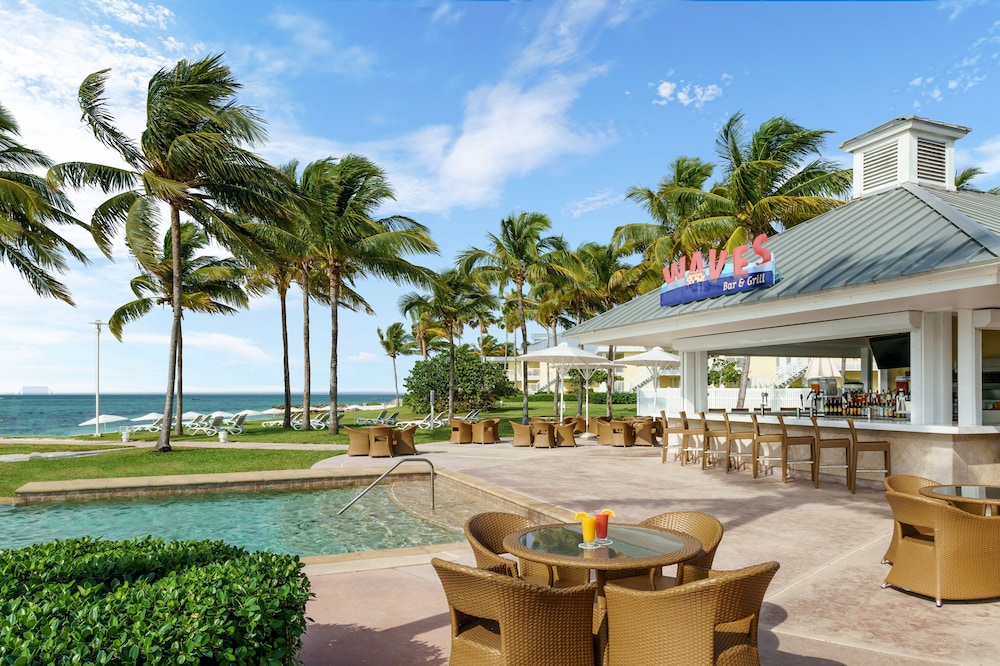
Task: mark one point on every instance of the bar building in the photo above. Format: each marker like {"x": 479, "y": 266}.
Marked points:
{"x": 910, "y": 262}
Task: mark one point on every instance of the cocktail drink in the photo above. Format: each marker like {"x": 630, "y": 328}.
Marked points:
{"x": 601, "y": 527}
{"x": 588, "y": 524}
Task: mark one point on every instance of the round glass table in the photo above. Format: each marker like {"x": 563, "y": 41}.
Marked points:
{"x": 966, "y": 497}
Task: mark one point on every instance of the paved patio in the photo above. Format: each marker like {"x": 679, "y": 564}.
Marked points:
{"x": 825, "y": 606}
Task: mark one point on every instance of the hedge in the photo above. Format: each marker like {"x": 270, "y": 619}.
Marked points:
{"x": 149, "y": 601}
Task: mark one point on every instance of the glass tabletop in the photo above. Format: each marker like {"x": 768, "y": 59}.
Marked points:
{"x": 969, "y": 492}
{"x": 628, "y": 541}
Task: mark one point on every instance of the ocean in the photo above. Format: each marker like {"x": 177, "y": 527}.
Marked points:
{"x": 59, "y": 415}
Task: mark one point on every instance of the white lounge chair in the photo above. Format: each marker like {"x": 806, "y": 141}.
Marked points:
{"x": 315, "y": 423}
{"x": 389, "y": 420}
{"x": 234, "y": 426}
{"x": 207, "y": 427}
{"x": 425, "y": 423}
{"x": 149, "y": 427}
{"x": 371, "y": 420}
{"x": 196, "y": 423}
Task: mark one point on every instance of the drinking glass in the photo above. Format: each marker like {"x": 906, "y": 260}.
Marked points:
{"x": 601, "y": 528}
{"x": 587, "y": 525}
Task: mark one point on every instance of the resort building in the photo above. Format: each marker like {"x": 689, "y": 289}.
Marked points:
{"x": 906, "y": 275}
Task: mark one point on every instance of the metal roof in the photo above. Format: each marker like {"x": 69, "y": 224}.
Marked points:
{"x": 898, "y": 233}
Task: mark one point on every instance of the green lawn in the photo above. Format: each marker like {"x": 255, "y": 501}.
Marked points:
{"x": 143, "y": 462}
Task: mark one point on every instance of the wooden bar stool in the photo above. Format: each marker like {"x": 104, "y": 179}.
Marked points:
{"x": 800, "y": 440}
{"x": 767, "y": 439}
{"x": 669, "y": 430}
{"x": 709, "y": 451}
{"x": 690, "y": 449}
{"x": 736, "y": 453}
{"x": 864, "y": 447}
{"x": 831, "y": 443}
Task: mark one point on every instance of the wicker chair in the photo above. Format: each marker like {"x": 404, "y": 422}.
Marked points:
{"x": 906, "y": 484}
{"x": 496, "y": 619}
{"x": 565, "y": 435}
{"x": 522, "y": 434}
{"x": 493, "y": 428}
{"x": 705, "y": 528}
{"x": 881, "y": 446}
{"x": 708, "y": 621}
{"x": 461, "y": 432}
{"x": 592, "y": 426}
{"x": 482, "y": 432}
{"x": 622, "y": 434}
{"x": 645, "y": 434}
{"x": 380, "y": 439}
{"x": 486, "y": 532}
{"x": 944, "y": 552}
{"x": 832, "y": 443}
{"x": 604, "y": 432}
{"x": 542, "y": 435}
{"x": 736, "y": 455}
{"x": 403, "y": 443}
{"x": 357, "y": 443}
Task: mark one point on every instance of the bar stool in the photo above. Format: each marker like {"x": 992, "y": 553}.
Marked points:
{"x": 668, "y": 430}
{"x": 690, "y": 450}
{"x": 799, "y": 440}
{"x": 708, "y": 451}
{"x": 767, "y": 439}
{"x": 863, "y": 447}
{"x": 831, "y": 443}
{"x": 736, "y": 454}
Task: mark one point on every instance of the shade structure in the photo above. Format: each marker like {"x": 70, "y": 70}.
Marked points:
{"x": 152, "y": 416}
{"x": 566, "y": 357}
{"x": 187, "y": 416}
{"x": 273, "y": 411}
{"x": 821, "y": 367}
{"x": 655, "y": 360}
{"x": 104, "y": 419}
{"x": 225, "y": 415}
{"x": 252, "y": 412}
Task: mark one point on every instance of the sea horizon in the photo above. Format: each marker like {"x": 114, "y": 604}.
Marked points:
{"x": 59, "y": 414}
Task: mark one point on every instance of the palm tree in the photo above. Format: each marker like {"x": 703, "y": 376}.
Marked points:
{"x": 211, "y": 285}
{"x": 27, "y": 209}
{"x": 350, "y": 243}
{"x": 671, "y": 206}
{"x": 515, "y": 256}
{"x": 396, "y": 341}
{"x": 193, "y": 156}
{"x": 964, "y": 178}
{"x": 427, "y": 332}
{"x": 454, "y": 300}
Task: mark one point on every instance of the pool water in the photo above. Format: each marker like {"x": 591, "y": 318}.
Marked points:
{"x": 294, "y": 522}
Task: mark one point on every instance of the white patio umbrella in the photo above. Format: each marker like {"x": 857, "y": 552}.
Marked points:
{"x": 104, "y": 419}
{"x": 654, "y": 360}
{"x": 187, "y": 416}
{"x": 253, "y": 412}
{"x": 821, "y": 367}
{"x": 152, "y": 416}
{"x": 225, "y": 415}
{"x": 565, "y": 357}
{"x": 273, "y": 411}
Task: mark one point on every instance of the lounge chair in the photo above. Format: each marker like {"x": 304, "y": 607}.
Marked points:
{"x": 195, "y": 423}
{"x": 389, "y": 420}
{"x": 426, "y": 423}
{"x": 149, "y": 427}
{"x": 473, "y": 415}
{"x": 368, "y": 420}
{"x": 234, "y": 426}
{"x": 209, "y": 427}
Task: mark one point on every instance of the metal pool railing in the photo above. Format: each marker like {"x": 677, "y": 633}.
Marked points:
{"x": 385, "y": 474}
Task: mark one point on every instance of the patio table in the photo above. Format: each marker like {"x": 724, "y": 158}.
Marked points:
{"x": 966, "y": 496}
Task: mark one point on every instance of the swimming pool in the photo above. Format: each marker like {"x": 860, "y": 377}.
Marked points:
{"x": 297, "y": 522}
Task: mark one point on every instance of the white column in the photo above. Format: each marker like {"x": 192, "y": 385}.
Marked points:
{"x": 694, "y": 381}
{"x": 866, "y": 367}
{"x": 970, "y": 370}
{"x": 930, "y": 370}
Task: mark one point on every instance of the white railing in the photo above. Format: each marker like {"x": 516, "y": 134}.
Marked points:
{"x": 788, "y": 373}
{"x": 650, "y": 402}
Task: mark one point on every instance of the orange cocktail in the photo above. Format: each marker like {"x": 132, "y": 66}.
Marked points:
{"x": 588, "y": 525}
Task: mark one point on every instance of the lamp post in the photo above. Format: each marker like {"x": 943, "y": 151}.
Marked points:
{"x": 97, "y": 387}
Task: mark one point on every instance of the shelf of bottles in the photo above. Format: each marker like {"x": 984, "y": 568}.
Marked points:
{"x": 871, "y": 405}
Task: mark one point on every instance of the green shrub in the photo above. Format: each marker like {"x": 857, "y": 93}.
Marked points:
{"x": 616, "y": 398}
{"x": 149, "y": 601}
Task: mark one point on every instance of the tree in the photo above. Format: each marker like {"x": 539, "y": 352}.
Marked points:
{"x": 724, "y": 371}
{"x": 350, "y": 243}
{"x": 477, "y": 383}
{"x": 514, "y": 256}
{"x": 964, "y": 178}
{"x": 28, "y": 208}
{"x": 194, "y": 156}
{"x": 454, "y": 300}
{"x": 395, "y": 342}
{"x": 211, "y": 285}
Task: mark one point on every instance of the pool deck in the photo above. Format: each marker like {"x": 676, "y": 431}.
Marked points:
{"x": 824, "y": 606}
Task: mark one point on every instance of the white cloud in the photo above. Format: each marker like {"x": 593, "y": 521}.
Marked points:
{"x": 602, "y": 199}
{"x": 446, "y": 13}
{"x": 227, "y": 345}
{"x": 363, "y": 356}
{"x": 956, "y": 7}
{"x": 698, "y": 95}
{"x": 311, "y": 47}
{"x": 558, "y": 38}
{"x": 133, "y": 13}
{"x": 664, "y": 92}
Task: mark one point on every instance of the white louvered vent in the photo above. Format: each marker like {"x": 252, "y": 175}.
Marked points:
{"x": 932, "y": 160}
{"x": 880, "y": 166}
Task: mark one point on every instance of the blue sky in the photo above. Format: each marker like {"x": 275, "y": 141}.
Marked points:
{"x": 476, "y": 110}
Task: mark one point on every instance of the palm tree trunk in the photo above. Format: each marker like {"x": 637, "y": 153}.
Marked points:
{"x": 744, "y": 380}
{"x": 524, "y": 350}
{"x": 334, "y": 277}
{"x": 395, "y": 380}
{"x": 179, "y": 428}
{"x": 306, "y": 392}
{"x": 555, "y": 391}
{"x": 451, "y": 372}
{"x": 163, "y": 441}
{"x": 286, "y": 421}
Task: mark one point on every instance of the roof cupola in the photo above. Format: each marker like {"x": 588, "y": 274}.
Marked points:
{"x": 907, "y": 149}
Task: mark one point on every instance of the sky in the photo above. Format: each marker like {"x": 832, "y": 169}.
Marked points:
{"x": 476, "y": 110}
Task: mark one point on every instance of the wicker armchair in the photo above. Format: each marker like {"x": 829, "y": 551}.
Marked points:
{"x": 645, "y": 434}
{"x": 402, "y": 443}
{"x": 522, "y": 434}
{"x": 707, "y": 621}
{"x": 380, "y": 440}
{"x": 483, "y": 432}
{"x": 907, "y": 485}
{"x": 543, "y": 435}
{"x": 604, "y": 432}
{"x": 705, "y": 528}
{"x": 486, "y": 532}
{"x": 357, "y": 443}
{"x": 565, "y": 434}
{"x": 461, "y": 432}
{"x": 944, "y": 552}
{"x": 496, "y": 619}
{"x": 621, "y": 434}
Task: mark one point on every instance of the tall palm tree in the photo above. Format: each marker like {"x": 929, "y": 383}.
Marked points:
{"x": 211, "y": 285}
{"x": 350, "y": 243}
{"x": 454, "y": 300}
{"x": 515, "y": 256}
{"x": 27, "y": 209}
{"x": 396, "y": 341}
{"x": 194, "y": 155}
{"x": 428, "y": 334}
{"x": 964, "y": 178}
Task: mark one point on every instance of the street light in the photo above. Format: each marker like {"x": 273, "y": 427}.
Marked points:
{"x": 97, "y": 386}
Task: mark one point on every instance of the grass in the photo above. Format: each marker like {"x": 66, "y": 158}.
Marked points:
{"x": 129, "y": 462}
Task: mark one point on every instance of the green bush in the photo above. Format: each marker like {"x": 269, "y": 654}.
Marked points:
{"x": 477, "y": 383}
{"x": 616, "y": 398}
{"x": 149, "y": 601}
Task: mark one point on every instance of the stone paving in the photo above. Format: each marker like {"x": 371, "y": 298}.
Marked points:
{"x": 825, "y": 606}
